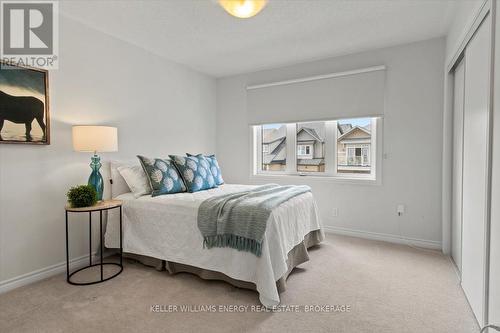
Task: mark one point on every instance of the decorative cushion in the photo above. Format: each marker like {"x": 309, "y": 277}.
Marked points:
{"x": 162, "y": 175}
{"x": 136, "y": 179}
{"x": 195, "y": 171}
{"x": 214, "y": 167}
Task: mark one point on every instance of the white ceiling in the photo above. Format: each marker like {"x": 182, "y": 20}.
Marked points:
{"x": 199, "y": 34}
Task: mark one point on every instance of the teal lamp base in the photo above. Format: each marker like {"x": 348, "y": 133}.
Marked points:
{"x": 95, "y": 178}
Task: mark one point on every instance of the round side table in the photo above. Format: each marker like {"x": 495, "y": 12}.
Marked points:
{"x": 101, "y": 206}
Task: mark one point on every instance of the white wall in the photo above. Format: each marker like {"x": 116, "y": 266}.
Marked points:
{"x": 159, "y": 107}
{"x": 412, "y": 140}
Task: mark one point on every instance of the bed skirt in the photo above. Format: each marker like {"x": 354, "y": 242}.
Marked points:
{"x": 296, "y": 256}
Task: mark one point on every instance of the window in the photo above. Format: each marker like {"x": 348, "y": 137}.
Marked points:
{"x": 343, "y": 148}
{"x": 304, "y": 150}
{"x": 354, "y": 142}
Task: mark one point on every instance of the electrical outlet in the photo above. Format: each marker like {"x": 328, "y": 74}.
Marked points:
{"x": 400, "y": 209}
{"x": 335, "y": 212}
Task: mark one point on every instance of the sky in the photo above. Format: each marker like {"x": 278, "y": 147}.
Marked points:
{"x": 22, "y": 82}
{"x": 269, "y": 126}
{"x": 356, "y": 121}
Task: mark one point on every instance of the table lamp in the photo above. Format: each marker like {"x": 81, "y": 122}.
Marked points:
{"x": 95, "y": 139}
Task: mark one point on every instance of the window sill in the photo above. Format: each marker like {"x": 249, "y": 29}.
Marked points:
{"x": 315, "y": 178}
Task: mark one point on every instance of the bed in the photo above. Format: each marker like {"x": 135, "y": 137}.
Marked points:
{"x": 165, "y": 228}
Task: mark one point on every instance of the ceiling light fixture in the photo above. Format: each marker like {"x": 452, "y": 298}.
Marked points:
{"x": 243, "y": 8}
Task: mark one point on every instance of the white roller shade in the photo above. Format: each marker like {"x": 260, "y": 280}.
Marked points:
{"x": 358, "y": 93}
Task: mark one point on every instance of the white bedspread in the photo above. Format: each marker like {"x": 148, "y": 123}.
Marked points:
{"x": 165, "y": 227}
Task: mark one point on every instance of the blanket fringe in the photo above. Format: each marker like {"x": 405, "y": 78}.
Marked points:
{"x": 236, "y": 242}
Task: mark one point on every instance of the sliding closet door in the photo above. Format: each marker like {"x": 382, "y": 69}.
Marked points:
{"x": 458, "y": 131}
{"x": 476, "y": 104}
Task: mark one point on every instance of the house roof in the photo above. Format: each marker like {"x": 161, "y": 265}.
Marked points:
{"x": 312, "y": 132}
{"x": 279, "y": 147}
{"x": 278, "y": 154}
{"x": 364, "y": 129}
{"x": 274, "y": 140}
{"x": 343, "y": 128}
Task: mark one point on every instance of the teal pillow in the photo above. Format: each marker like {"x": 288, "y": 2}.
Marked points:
{"x": 162, "y": 175}
{"x": 195, "y": 170}
{"x": 214, "y": 167}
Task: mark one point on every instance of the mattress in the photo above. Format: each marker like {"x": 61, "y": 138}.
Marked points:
{"x": 165, "y": 227}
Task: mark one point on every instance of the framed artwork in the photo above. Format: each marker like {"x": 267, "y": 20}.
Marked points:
{"x": 24, "y": 105}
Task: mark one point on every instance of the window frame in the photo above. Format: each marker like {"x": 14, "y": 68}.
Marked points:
{"x": 375, "y": 155}
{"x": 306, "y": 154}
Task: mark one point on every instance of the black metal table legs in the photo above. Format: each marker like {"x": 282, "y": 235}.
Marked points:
{"x": 101, "y": 262}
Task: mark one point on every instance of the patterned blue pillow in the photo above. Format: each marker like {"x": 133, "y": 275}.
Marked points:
{"x": 162, "y": 175}
{"x": 195, "y": 170}
{"x": 214, "y": 167}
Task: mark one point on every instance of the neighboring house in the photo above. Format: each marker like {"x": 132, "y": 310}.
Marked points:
{"x": 273, "y": 149}
{"x": 353, "y": 147}
{"x": 310, "y": 149}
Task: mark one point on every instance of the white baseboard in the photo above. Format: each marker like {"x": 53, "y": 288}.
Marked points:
{"x": 43, "y": 273}
{"x": 428, "y": 244}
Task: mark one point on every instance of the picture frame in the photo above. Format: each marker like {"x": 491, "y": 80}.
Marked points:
{"x": 24, "y": 105}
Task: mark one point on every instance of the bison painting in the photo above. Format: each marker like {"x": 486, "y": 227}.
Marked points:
{"x": 21, "y": 110}
{"x": 24, "y": 111}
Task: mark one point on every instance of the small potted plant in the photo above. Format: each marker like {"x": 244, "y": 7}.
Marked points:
{"x": 82, "y": 196}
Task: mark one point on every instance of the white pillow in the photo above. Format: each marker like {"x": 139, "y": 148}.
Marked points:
{"x": 136, "y": 179}
{"x": 118, "y": 185}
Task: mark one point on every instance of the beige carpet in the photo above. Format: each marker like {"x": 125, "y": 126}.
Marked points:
{"x": 389, "y": 288}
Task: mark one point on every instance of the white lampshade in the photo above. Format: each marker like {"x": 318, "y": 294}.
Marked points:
{"x": 243, "y": 8}
{"x": 95, "y": 138}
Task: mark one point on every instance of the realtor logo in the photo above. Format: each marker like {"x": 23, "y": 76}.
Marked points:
{"x": 30, "y": 33}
